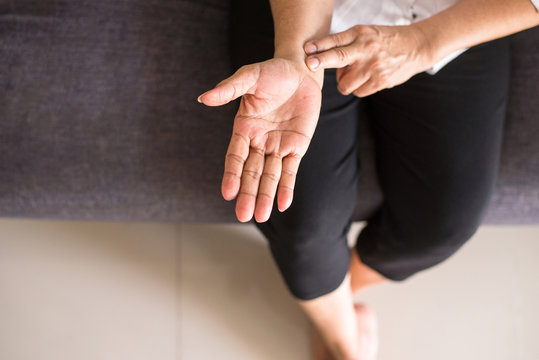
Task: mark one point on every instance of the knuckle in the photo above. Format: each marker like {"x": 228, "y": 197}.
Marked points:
{"x": 341, "y": 54}
{"x": 296, "y": 156}
{"x": 344, "y": 89}
{"x": 371, "y": 45}
{"x": 235, "y": 158}
{"x": 270, "y": 176}
{"x": 290, "y": 172}
{"x": 356, "y": 28}
{"x": 262, "y": 194}
{"x": 231, "y": 173}
{"x": 242, "y": 137}
{"x": 286, "y": 187}
{"x": 235, "y": 92}
{"x": 245, "y": 69}
{"x": 245, "y": 193}
{"x": 258, "y": 151}
{"x": 276, "y": 155}
{"x": 383, "y": 79}
{"x": 360, "y": 29}
{"x": 252, "y": 174}
{"x": 378, "y": 66}
{"x": 337, "y": 39}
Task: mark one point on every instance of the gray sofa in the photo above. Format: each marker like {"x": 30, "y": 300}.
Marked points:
{"x": 99, "y": 118}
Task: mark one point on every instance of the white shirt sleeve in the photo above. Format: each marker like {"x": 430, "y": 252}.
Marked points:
{"x": 436, "y": 67}
{"x": 440, "y": 64}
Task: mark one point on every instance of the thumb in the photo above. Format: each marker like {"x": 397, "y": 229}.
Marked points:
{"x": 242, "y": 82}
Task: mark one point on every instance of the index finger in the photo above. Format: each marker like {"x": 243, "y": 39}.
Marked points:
{"x": 329, "y": 42}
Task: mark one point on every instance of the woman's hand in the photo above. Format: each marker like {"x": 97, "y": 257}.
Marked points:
{"x": 370, "y": 58}
{"x": 272, "y": 130}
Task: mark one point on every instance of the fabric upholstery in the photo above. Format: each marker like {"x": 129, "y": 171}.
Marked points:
{"x": 99, "y": 119}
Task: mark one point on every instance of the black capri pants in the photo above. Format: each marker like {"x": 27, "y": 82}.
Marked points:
{"x": 437, "y": 140}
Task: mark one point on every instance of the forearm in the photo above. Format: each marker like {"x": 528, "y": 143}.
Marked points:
{"x": 471, "y": 22}
{"x": 297, "y": 21}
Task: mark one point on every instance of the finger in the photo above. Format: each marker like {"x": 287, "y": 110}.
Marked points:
{"x": 250, "y": 178}
{"x": 242, "y": 82}
{"x": 237, "y": 153}
{"x": 371, "y": 86}
{"x": 287, "y": 182}
{"x": 337, "y": 57}
{"x": 330, "y": 41}
{"x": 352, "y": 79}
{"x": 268, "y": 187}
{"x": 341, "y": 71}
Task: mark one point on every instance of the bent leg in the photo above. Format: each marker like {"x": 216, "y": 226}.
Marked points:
{"x": 309, "y": 240}
{"x": 438, "y": 140}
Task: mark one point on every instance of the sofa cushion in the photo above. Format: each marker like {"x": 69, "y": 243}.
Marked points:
{"x": 100, "y": 121}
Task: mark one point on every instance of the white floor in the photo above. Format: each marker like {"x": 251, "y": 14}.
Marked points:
{"x": 107, "y": 290}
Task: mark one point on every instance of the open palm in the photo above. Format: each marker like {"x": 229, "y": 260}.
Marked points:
{"x": 272, "y": 130}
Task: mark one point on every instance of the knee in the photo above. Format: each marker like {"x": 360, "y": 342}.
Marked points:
{"x": 311, "y": 252}
{"x": 295, "y": 246}
{"x": 447, "y": 220}
{"x": 443, "y": 236}
{"x": 440, "y": 238}
{"x": 304, "y": 234}
{"x": 398, "y": 251}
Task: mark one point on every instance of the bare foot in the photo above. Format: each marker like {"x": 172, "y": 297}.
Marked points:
{"x": 367, "y": 324}
{"x": 368, "y": 336}
{"x": 320, "y": 351}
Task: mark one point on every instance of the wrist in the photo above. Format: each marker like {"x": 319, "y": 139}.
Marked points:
{"x": 427, "y": 51}
{"x": 298, "y": 59}
{"x": 437, "y": 33}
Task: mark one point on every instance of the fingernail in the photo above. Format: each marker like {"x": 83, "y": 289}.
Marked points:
{"x": 313, "y": 63}
{"x": 286, "y": 205}
{"x": 199, "y": 98}
{"x": 310, "y": 48}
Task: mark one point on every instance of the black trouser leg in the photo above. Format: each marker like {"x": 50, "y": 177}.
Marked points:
{"x": 438, "y": 141}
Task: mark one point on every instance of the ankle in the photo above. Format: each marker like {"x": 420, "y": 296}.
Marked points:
{"x": 349, "y": 356}
{"x": 346, "y": 353}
